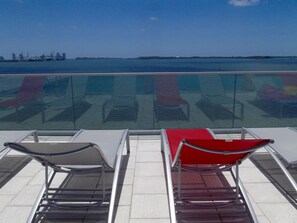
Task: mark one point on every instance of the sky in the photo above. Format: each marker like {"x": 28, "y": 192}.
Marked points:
{"x": 132, "y": 28}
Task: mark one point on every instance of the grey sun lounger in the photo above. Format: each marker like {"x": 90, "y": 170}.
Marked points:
{"x": 88, "y": 151}
{"x": 123, "y": 100}
{"x": 285, "y": 146}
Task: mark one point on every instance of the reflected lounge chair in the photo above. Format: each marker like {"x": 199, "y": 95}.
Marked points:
{"x": 74, "y": 95}
{"x": 283, "y": 150}
{"x": 214, "y": 97}
{"x": 89, "y": 151}
{"x": 168, "y": 97}
{"x": 29, "y": 92}
{"x": 123, "y": 99}
{"x": 276, "y": 94}
{"x": 196, "y": 150}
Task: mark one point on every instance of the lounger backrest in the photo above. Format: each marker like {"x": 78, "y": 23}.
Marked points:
{"x": 203, "y": 138}
{"x": 89, "y": 156}
{"x": 190, "y": 155}
{"x": 31, "y": 87}
{"x": 166, "y": 88}
{"x": 124, "y": 90}
{"x": 175, "y": 136}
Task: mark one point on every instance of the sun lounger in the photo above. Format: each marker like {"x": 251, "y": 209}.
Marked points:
{"x": 89, "y": 151}
{"x": 197, "y": 150}
{"x": 168, "y": 97}
{"x": 73, "y": 99}
{"x": 30, "y": 91}
{"x": 213, "y": 96}
{"x": 123, "y": 101}
{"x": 276, "y": 94}
{"x": 284, "y": 147}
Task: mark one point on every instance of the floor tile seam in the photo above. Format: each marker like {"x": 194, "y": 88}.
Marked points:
{"x": 157, "y": 193}
{"x": 8, "y": 204}
{"x": 152, "y": 178}
{"x": 133, "y": 177}
{"x": 149, "y": 218}
{"x": 33, "y": 177}
{"x": 18, "y": 192}
{"x": 268, "y": 182}
{"x": 152, "y": 143}
{"x": 123, "y": 205}
{"x": 150, "y": 151}
{"x": 39, "y": 190}
{"x": 264, "y": 214}
{"x": 21, "y": 205}
{"x": 163, "y": 195}
{"x": 273, "y": 202}
{"x": 148, "y": 162}
{"x": 254, "y": 182}
{"x": 149, "y": 177}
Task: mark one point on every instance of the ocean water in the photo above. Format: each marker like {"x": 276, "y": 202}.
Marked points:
{"x": 149, "y": 65}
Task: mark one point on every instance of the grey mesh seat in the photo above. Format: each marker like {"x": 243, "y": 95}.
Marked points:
{"x": 283, "y": 151}
{"x": 89, "y": 151}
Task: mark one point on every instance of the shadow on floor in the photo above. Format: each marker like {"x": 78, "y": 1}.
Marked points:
{"x": 10, "y": 166}
{"x": 268, "y": 166}
{"x": 71, "y": 190}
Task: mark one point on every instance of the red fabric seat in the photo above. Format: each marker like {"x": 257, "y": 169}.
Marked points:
{"x": 203, "y": 139}
{"x": 167, "y": 91}
{"x": 175, "y": 136}
{"x": 30, "y": 90}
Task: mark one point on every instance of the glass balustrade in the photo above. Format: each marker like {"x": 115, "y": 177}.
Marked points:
{"x": 146, "y": 101}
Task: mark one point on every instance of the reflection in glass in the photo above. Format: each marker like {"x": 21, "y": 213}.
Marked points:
{"x": 168, "y": 104}
{"x": 276, "y": 94}
{"x": 122, "y": 106}
{"x": 72, "y": 103}
{"x": 214, "y": 102}
{"x": 27, "y": 100}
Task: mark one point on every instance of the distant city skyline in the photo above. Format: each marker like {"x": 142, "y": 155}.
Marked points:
{"x": 133, "y": 28}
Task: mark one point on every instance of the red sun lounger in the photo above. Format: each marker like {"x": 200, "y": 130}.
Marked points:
{"x": 168, "y": 96}
{"x": 30, "y": 90}
{"x": 196, "y": 153}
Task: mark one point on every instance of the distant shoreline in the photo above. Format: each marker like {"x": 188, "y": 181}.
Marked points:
{"x": 157, "y": 58}
{"x": 194, "y": 57}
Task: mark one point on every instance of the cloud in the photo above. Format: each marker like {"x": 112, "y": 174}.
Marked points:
{"x": 242, "y": 3}
{"x": 153, "y": 18}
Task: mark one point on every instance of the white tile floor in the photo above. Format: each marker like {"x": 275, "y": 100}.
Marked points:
{"x": 144, "y": 196}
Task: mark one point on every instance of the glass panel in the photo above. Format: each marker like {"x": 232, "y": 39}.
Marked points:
{"x": 58, "y": 103}
{"x": 144, "y": 102}
{"x": 216, "y": 101}
{"x": 270, "y": 100}
{"x": 21, "y": 105}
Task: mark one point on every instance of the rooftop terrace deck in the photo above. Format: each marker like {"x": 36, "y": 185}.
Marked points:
{"x": 143, "y": 197}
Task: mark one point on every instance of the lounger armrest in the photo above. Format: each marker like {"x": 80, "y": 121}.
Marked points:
{"x": 22, "y": 149}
